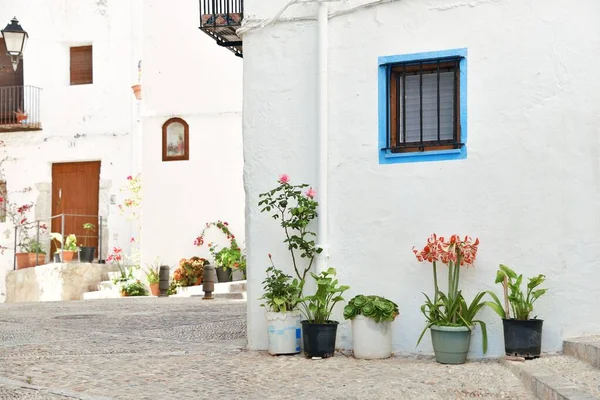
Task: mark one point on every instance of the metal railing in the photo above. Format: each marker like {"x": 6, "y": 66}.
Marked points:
{"x": 20, "y": 107}
{"x": 221, "y": 12}
{"x": 42, "y": 235}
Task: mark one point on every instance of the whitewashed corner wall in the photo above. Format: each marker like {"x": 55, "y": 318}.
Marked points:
{"x": 102, "y": 114}
{"x": 528, "y": 189}
{"x": 185, "y": 74}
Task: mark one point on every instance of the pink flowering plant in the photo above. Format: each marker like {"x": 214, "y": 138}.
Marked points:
{"x": 295, "y": 207}
{"x": 230, "y": 256}
{"x": 451, "y": 308}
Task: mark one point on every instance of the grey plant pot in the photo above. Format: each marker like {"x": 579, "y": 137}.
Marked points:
{"x": 450, "y": 343}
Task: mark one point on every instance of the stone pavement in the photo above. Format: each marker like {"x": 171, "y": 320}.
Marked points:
{"x": 186, "y": 348}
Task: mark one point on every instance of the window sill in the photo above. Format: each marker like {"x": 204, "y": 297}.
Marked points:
{"x": 387, "y": 157}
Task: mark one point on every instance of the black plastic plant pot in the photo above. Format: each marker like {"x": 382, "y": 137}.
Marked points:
{"x": 57, "y": 257}
{"x": 523, "y": 338}
{"x": 223, "y": 276}
{"x": 86, "y": 254}
{"x": 319, "y": 339}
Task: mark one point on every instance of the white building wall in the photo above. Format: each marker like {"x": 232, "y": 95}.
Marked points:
{"x": 187, "y": 75}
{"x": 102, "y": 114}
{"x": 529, "y": 188}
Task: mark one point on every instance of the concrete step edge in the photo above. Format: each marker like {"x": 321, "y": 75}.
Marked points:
{"x": 545, "y": 384}
{"x": 585, "y": 350}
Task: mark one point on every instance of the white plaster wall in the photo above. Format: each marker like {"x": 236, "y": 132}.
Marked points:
{"x": 102, "y": 114}
{"x": 530, "y": 188}
{"x": 187, "y": 75}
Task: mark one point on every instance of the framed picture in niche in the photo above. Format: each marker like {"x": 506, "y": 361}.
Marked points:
{"x": 175, "y": 140}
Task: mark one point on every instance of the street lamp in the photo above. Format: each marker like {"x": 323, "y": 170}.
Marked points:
{"x": 14, "y": 39}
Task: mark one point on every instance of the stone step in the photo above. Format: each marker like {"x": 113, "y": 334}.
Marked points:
{"x": 101, "y": 294}
{"x": 106, "y": 285}
{"x": 558, "y": 377}
{"x": 584, "y": 348}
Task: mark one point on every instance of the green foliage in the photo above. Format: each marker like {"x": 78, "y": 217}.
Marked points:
{"x": 377, "y": 308}
{"x": 135, "y": 288}
{"x": 520, "y": 304}
{"x": 35, "y": 247}
{"x": 444, "y": 311}
{"x": 282, "y": 294}
{"x": 152, "y": 272}
{"x": 71, "y": 243}
{"x": 231, "y": 257}
{"x": 318, "y": 307}
{"x": 295, "y": 211}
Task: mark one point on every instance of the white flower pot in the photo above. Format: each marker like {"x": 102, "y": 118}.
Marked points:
{"x": 371, "y": 340}
{"x": 285, "y": 332}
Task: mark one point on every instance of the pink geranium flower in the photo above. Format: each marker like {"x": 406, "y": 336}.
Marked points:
{"x": 284, "y": 178}
{"x": 310, "y": 193}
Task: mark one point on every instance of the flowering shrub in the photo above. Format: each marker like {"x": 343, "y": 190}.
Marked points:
{"x": 133, "y": 200}
{"x": 190, "y": 271}
{"x": 451, "y": 309}
{"x": 295, "y": 209}
{"x": 228, "y": 257}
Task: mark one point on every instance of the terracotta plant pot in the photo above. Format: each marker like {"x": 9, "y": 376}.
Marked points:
{"x": 137, "y": 91}
{"x": 22, "y": 260}
{"x": 123, "y": 293}
{"x": 41, "y": 259}
{"x": 154, "y": 289}
{"x": 68, "y": 255}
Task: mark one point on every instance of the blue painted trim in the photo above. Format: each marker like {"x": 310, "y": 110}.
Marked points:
{"x": 387, "y": 157}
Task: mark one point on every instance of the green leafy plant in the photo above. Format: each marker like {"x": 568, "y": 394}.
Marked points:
{"x": 451, "y": 309}
{"x": 152, "y": 272}
{"x": 134, "y": 288}
{"x": 89, "y": 228}
{"x": 520, "y": 304}
{"x": 71, "y": 243}
{"x": 190, "y": 271}
{"x": 282, "y": 293}
{"x": 295, "y": 210}
{"x": 318, "y": 308}
{"x": 377, "y": 308}
{"x": 231, "y": 256}
{"x": 36, "y": 247}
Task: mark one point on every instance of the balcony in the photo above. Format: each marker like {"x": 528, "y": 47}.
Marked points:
{"x": 220, "y": 19}
{"x": 20, "y": 108}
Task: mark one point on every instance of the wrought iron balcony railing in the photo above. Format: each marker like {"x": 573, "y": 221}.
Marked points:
{"x": 220, "y": 19}
{"x": 20, "y": 108}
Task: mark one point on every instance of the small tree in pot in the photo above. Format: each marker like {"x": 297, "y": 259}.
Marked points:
{"x": 281, "y": 295}
{"x": 318, "y": 331}
{"x": 372, "y": 318}
{"x": 522, "y": 335}
{"x": 86, "y": 253}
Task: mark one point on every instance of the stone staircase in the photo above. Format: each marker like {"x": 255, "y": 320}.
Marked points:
{"x": 227, "y": 290}
{"x": 572, "y": 375}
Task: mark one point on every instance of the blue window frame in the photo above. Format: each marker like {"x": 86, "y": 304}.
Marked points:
{"x": 423, "y": 107}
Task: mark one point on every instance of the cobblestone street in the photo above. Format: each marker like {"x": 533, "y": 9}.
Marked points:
{"x": 149, "y": 348}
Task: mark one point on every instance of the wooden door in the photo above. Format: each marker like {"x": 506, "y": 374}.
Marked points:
{"x": 12, "y": 95}
{"x": 75, "y": 192}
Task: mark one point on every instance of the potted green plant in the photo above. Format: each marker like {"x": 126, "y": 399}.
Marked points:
{"x": 86, "y": 253}
{"x": 228, "y": 258}
{"x": 372, "y": 318}
{"x": 37, "y": 255}
{"x": 190, "y": 271}
{"x": 449, "y": 317}
{"x": 318, "y": 331}
{"x": 522, "y": 334}
{"x": 153, "y": 277}
{"x": 57, "y": 238}
{"x": 281, "y": 296}
{"x": 70, "y": 248}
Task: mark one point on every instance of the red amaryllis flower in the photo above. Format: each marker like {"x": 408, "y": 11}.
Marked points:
{"x": 199, "y": 241}
{"x": 431, "y": 251}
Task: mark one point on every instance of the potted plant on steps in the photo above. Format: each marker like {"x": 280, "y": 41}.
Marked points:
{"x": 86, "y": 254}
{"x": 70, "y": 248}
{"x": 37, "y": 255}
{"x": 228, "y": 258}
{"x": 281, "y": 295}
{"x": 57, "y": 238}
{"x": 448, "y": 315}
{"x": 522, "y": 335}
{"x": 153, "y": 277}
{"x": 372, "y": 318}
{"x": 318, "y": 331}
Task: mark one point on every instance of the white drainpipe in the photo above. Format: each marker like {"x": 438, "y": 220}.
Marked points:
{"x": 322, "y": 185}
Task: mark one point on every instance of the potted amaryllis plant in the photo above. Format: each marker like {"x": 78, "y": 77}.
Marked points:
{"x": 449, "y": 317}
{"x": 522, "y": 334}
{"x": 153, "y": 276}
{"x": 372, "y": 318}
{"x": 318, "y": 331}
{"x": 282, "y": 295}
{"x": 86, "y": 253}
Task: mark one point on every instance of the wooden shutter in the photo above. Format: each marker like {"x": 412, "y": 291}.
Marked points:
{"x": 82, "y": 70}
